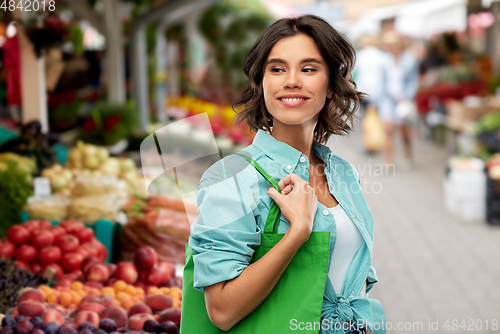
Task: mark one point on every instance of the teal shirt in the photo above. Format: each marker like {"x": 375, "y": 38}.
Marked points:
{"x": 233, "y": 206}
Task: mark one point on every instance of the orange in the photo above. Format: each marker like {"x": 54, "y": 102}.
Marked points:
{"x": 42, "y": 291}
{"x": 94, "y": 292}
{"x": 121, "y": 296}
{"x": 127, "y": 304}
{"x": 82, "y": 292}
{"x": 108, "y": 291}
{"x": 135, "y": 299}
{"x": 154, "y": 291}
{"x": 65, "y": 299}
{"x": 130, "y": 290}
{"x": 120, "y": 285}
{"x": 175, "y": 293}
{"x": 140, "y": 291}
{"x": 53, "y": 298}
{"x": 76, "y": 285}
{"x": 77, "y": 298}
{"x": 117, "y": 302}
{"x": 165, "y": 290}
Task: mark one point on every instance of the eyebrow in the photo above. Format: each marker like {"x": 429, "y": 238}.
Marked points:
{"x": 303, "y": 61}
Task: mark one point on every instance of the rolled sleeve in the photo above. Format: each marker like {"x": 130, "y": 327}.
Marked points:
{"x": 371, "y": 279}
{"x": 225, "y": 235}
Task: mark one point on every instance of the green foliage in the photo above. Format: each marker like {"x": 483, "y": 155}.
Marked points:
{"x": 108, "y": 123}
{"x": 15, "y": 188}
{"x": 231, "y": 27}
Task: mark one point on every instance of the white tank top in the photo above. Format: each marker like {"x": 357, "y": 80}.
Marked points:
{"x": 347, "y": 244}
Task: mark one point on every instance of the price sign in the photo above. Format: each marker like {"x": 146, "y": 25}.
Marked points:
{"x": 42, "y": 187}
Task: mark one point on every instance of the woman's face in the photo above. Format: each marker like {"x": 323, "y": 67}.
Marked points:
{"x": 295, "y": 81}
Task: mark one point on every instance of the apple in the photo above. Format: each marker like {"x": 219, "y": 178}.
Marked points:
{"x": 45, "y": 225}
{"x": 98, "y": 273}
{"x": 157, "y": 276}
{"x": 32, "y": 225}
{"x": 145, "y": 258}
{"x": 169, "y": 268}
{"x": 25, "y": 253}
{"x": 51, "y": 254}
{"x": 22, "y": 265}
{"x": 71, "y": 262}
{"x": 72, "y": 225}
{"x": 111, "y": 268}
{"x": 89, "y": 262}
{"x": 57, "y": 231}
{"x": 126, "y": 271}
{"x": 84, "y": 235}
{"x": 36, "y": 268}
{"x": 7, "y": 250}
{"x": 41, "y": 238}
{"x": 67, "y": 243}
{"x": 18, "y": 235}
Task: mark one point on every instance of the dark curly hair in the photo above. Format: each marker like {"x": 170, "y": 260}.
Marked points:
{"x": 337, "y": 52}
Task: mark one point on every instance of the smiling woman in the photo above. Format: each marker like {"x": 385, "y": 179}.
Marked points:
{"x": 300, "y": 93}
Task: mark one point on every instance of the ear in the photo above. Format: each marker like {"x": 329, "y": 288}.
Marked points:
{"x": 329, "y": 94}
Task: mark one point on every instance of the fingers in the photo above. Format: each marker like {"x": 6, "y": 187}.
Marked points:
{"x": 290, "y": 179}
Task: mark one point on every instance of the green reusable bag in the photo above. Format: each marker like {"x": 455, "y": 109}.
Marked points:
{"x": 294, "y": 302}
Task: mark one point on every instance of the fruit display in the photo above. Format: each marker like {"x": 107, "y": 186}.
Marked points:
{"x": 38, "y": 246}
{"x": 143, "y": 296}
{"x": 12, "y": 279}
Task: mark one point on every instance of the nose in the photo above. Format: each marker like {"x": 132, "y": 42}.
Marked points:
{"x": 291, "y": 80}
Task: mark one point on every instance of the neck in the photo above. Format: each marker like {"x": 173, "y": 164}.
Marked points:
{"x": 300, "y": 137}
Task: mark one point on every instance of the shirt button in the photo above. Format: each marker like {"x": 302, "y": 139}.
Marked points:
{"x": 289, "y": 167}
{"x": 302, "y": 159}
{"x": 326, "y": 212}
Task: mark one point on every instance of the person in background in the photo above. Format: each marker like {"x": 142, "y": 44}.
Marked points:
{"x": 369, "y": 70}
{"x": 399, "y": 85}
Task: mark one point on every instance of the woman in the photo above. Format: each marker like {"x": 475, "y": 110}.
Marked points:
{"x": 400, "y": 85}
{"x": 300, "y": 93}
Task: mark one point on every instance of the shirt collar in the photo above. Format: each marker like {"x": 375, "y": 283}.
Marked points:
{"x": 283, "y": 153}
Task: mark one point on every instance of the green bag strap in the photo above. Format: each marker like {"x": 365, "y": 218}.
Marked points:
{"x": 273, "y": 217}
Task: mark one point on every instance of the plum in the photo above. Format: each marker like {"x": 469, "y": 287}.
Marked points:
{"x": 8, "y": 321}
{"x": 38, "y": 323}
{"x": 108, "y": 325}
{"x": 7, "y": 330}
{"x": 24, "y": 327}
{"x": 169, "y": 327}
{"x": 20, "y": 318}
{"x": 51, "y": 328}
{"x": 151, "y": 326}
{"x": 85, "y": 325}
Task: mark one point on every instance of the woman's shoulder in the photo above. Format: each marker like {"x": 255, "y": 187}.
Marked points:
{"x": 343, "y": 167}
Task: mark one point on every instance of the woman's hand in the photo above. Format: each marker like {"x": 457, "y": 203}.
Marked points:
{"x": 298, "y": 203}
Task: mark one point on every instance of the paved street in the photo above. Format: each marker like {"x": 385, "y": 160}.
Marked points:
{"x": 431, "y": 265}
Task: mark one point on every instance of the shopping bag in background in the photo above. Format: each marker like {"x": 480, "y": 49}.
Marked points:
{"x": 298, "y": 294}
{"x": 373, "y": 130}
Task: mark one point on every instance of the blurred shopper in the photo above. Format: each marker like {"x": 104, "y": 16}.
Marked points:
{"x": 399, "y": 87}
{"x": 369, "y": 70}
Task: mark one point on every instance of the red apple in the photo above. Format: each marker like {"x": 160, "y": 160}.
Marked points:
{"x": 169, "y": 268}
{"x": 98, "y": 273}
{"x": 57, "y": 231}
{"x": 84, "y": 235}
{"x": 145, "y": 258}
{"x": 7, "y": 250}
{"x": 126, "y": 271}
{"x": 157, "y": 276}
{"x": 36, "y": 268}
{"x": 22, "y": 265}
{"x": 89, "y": 262}
{"x": 45, "y": 225}
{"x": 71, "y": 262}
{"x": 111, "y": 268}
{"x": 57, "y": 269}
{"x": 25, "y": 253}
{"x": 18, "y": 235}
{"x": 51, "y": 254}
{"x": 31, "y": 225}
{"x": 41, "y": 238}
{"x": 67, "y": 243}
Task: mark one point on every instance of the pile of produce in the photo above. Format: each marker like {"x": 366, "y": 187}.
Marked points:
{"x": 15, "y": 187}
{"x": 127, "y": 297}
{"x": 12, "y": 279}
{"x": 90, "y": 161}
{"x": 37, "y": 245}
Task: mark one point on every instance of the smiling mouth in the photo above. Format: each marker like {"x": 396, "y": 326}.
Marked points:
{"x": 286, "y": 99}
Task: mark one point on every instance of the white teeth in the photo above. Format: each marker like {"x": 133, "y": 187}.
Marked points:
{"x": 292, "y": 100}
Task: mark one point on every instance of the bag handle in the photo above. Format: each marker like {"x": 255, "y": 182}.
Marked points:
{"x": 273, "y": 217}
